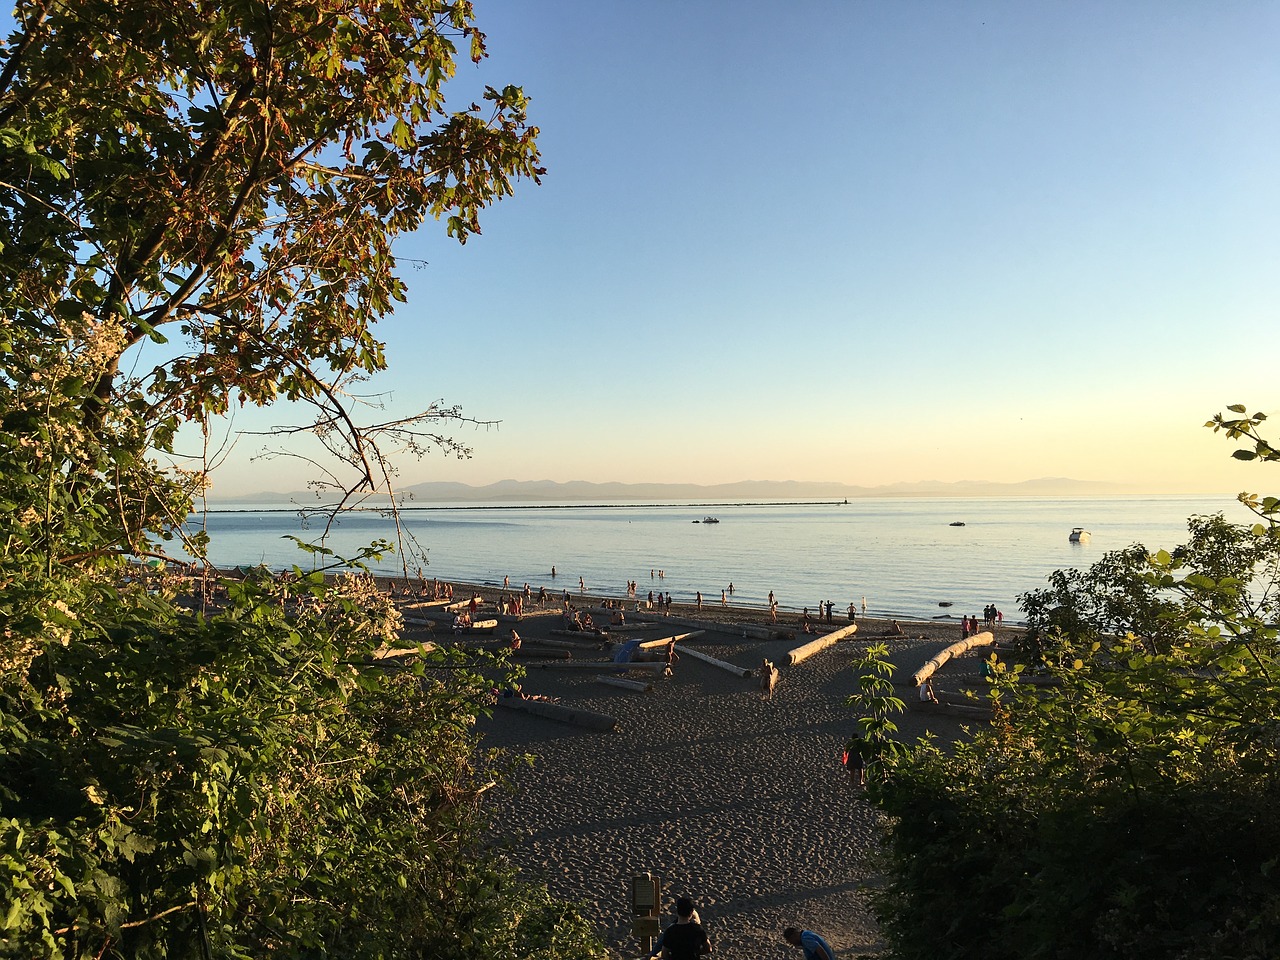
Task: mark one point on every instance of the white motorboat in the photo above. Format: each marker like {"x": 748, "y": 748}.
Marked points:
{"x": 1079, "y": 535}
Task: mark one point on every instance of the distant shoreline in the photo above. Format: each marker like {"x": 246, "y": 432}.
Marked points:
{"x": 535, "y": 506}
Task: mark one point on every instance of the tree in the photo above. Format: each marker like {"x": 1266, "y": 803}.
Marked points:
{"x": 233, "y": 174}
{"x": 1122, "y": 811}
{"x": 242, "y": 779}
{"x": 875, "y": 704}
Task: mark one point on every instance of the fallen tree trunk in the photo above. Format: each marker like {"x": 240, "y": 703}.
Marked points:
{"x": 723, "y": 665}
{"x": 983, "y": 639}
{"x": 807, "y": 650}
{"x": 638, "y": 686}
{"x": 663, "y": 641}
{"x": 554, "y": 711}
{"x": 393, "y": 653}
{"x": 750, "y": 630}
{"x": 602, "y": 665}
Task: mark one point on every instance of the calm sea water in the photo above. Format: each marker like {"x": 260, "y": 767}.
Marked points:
{"x": 901, "y": 554}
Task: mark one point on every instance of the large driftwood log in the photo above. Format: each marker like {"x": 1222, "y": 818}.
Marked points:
{"x": 931, "y": 666}
{"x": 750, "y": 630}
{"x": 639, "y": 686}
{"x": 533, "y": 651}
{"x": 602, "y": 665}
{"x": 663, "y": 641}
{"x": 569, "y": 644}
{"x": 706, "y": 658}
{"x": 818, "y": 644}
{"x": 554, "y": 711}
{"x": 423, "y": 604}
{"x": 592, "y": 637}
{"x": 395, "y": 653}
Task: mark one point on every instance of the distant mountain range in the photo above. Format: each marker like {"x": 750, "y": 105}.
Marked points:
{"x": 582, "y": 491}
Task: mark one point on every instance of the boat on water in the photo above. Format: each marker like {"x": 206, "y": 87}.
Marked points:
{"x": 956, "y": 523}
{"x": 1079, "y": 535}
{"x": 710, "y": 520}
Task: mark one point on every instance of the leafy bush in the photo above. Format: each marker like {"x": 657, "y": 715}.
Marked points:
{"x": 1124, "y": 810}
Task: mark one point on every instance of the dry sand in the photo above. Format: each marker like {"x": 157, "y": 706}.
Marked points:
{"x": 739, "y": 802}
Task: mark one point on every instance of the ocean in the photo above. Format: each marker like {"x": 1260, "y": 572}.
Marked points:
{"x": 902, "y": 555}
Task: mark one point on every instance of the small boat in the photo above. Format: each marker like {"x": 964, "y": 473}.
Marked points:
{"x": 956, "y": 523}
{"x": 709, "y": 520}
{"x": 1079, "y": 535}
{"x": 944, "y": 603}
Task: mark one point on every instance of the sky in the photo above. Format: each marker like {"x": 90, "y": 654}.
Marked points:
{"x": 864, "y": 242}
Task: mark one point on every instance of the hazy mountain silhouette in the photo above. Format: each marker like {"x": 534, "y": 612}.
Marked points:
{"x": 574, "y": 491}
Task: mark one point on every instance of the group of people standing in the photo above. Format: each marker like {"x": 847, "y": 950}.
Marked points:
{"x": 687, "y": 939}
{"x": 991, "y": 618}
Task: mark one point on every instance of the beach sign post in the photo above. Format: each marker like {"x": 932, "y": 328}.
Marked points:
{"x": 646, "y": 895}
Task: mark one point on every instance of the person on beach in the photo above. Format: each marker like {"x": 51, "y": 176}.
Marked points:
{"x": 768, "y": 674}
{"x": 813, "y": 945}
{"x": 686, "y": 939}
{"x": 856, "y": 754}
{"x": 926, "y": 692}
{"x": 895, "y": 628}
{"x": 724, "y": 601}
{"x": 864, "y": 606}
{"x": 853, "y": 611}
{"x": 662, "y": 937}
{"x": 699, "y": 593}
{"x": 515, "y": 640}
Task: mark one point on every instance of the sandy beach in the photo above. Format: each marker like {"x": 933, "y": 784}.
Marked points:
{"x": 737, "y": 801}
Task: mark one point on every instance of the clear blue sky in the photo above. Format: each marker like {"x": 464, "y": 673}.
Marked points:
{"x": 859, "y": 241}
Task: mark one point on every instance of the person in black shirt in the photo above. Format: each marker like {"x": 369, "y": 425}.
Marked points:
{"x": 685, "y": 939}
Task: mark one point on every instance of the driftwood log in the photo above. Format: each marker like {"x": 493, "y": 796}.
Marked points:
{"x": 818, "y": 644}
{"x": 608, "y": 665}
{"x": 398, "y": 653}
{"x": 639, "y": 686}
{"x": 752, "y": 631}
{"x": 733, "y": 668}
{"x": 591, "y": 636}
{"x": 555, "y": 711}
{"x": 931, "y": 666}
{"x": 663, "y": 641}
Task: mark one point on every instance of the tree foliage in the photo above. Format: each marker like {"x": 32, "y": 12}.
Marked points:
{"x": 1123, "y": 810}
{"x": 226, "y": 180}
{"x": 222, "y": 183}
